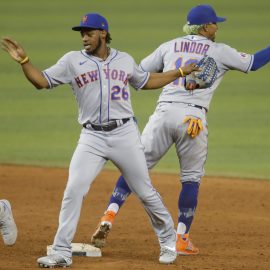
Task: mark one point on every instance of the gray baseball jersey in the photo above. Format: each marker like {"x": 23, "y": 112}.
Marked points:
{"x": 165, "y": 126}
{"x": 101, "y": 88}
{"x": 192, "y": 48}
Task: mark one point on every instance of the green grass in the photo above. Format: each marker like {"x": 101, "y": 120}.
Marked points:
{"x": 41, "y": 128}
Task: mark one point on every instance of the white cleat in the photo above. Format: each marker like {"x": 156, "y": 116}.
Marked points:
{"x": 8, "y": 226}
{"x": 167, "y": 255}
{"x": 54, "y": 260}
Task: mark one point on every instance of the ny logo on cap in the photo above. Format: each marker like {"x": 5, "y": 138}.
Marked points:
{"x": 84, "y": 19}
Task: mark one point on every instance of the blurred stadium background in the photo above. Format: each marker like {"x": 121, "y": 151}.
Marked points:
{"x": 40, "y": 128}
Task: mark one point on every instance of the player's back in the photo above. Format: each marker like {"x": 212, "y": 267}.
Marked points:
{"x": 178, "y": 53}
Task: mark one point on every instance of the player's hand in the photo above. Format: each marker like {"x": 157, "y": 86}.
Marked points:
{"x": 14, "y": 49}
{"x": 205, "y": 77}
{"x": 194, "y": 127}
{"x": 187, "y": 69}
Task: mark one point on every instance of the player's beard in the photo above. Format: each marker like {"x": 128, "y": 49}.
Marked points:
{"x": 96, "y": 49}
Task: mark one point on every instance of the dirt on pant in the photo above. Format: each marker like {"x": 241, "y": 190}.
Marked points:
{"x": 231, "y": 226}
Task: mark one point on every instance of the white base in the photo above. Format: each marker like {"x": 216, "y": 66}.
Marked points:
{"x": 80, "y": 249}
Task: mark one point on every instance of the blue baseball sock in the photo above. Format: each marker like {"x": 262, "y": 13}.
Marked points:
{"x": 120, "y": 192}
{"x": 187, "y": 204}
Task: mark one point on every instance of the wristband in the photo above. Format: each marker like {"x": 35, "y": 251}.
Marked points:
{"x": 25, "y": 60}
{"x": 181, "y": 72}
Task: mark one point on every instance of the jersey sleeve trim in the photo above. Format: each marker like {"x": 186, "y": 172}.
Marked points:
{"x": 144, "y": 81}
{"x": 48, "y": 79}
{"x": 250, "y": 64}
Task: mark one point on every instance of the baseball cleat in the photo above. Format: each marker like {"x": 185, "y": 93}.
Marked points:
{"x": 53, "y": 261}
{"x": 167, "y": 255}
{"x": 185, "y": 246}
{"x": 8, "y": 226}
{"x": 99, "y": 237}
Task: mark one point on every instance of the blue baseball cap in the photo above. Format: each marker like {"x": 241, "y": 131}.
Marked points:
{"x": 203, "y": 14}
{"x": 94, "y": 21}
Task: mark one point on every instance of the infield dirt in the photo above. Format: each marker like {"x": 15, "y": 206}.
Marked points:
{"x": 231, "y": 227}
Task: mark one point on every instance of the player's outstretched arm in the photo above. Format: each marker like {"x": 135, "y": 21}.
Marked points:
{"x": 261, "y": 58}
{"x": 16, "y": 51}
{"x": 158, "y": 80}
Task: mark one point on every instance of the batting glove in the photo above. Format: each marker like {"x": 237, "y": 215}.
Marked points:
{"x": 194, "y": 127}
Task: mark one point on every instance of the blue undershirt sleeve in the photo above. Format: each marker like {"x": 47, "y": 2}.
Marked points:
{"x": 261, "y": 58}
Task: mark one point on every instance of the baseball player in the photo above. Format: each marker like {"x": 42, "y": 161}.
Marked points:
{"x": 180, "y": 117}
{"x": 99, "y": 77}
{"x": 8, "y": 226}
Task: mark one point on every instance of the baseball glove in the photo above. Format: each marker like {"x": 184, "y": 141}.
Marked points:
{"x": 203, "y": 78}
{"x": 194, "y": 127}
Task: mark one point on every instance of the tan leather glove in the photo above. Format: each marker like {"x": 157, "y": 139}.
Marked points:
{"x": 194, "y": 127}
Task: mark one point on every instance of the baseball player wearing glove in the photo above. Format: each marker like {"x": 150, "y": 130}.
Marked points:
{"x": 180, "y": 115}
{"x": 100, "y": 78}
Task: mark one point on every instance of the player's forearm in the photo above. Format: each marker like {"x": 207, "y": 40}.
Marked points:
{"x": 158, "y": 80}
{"x": 35, "y": 76}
